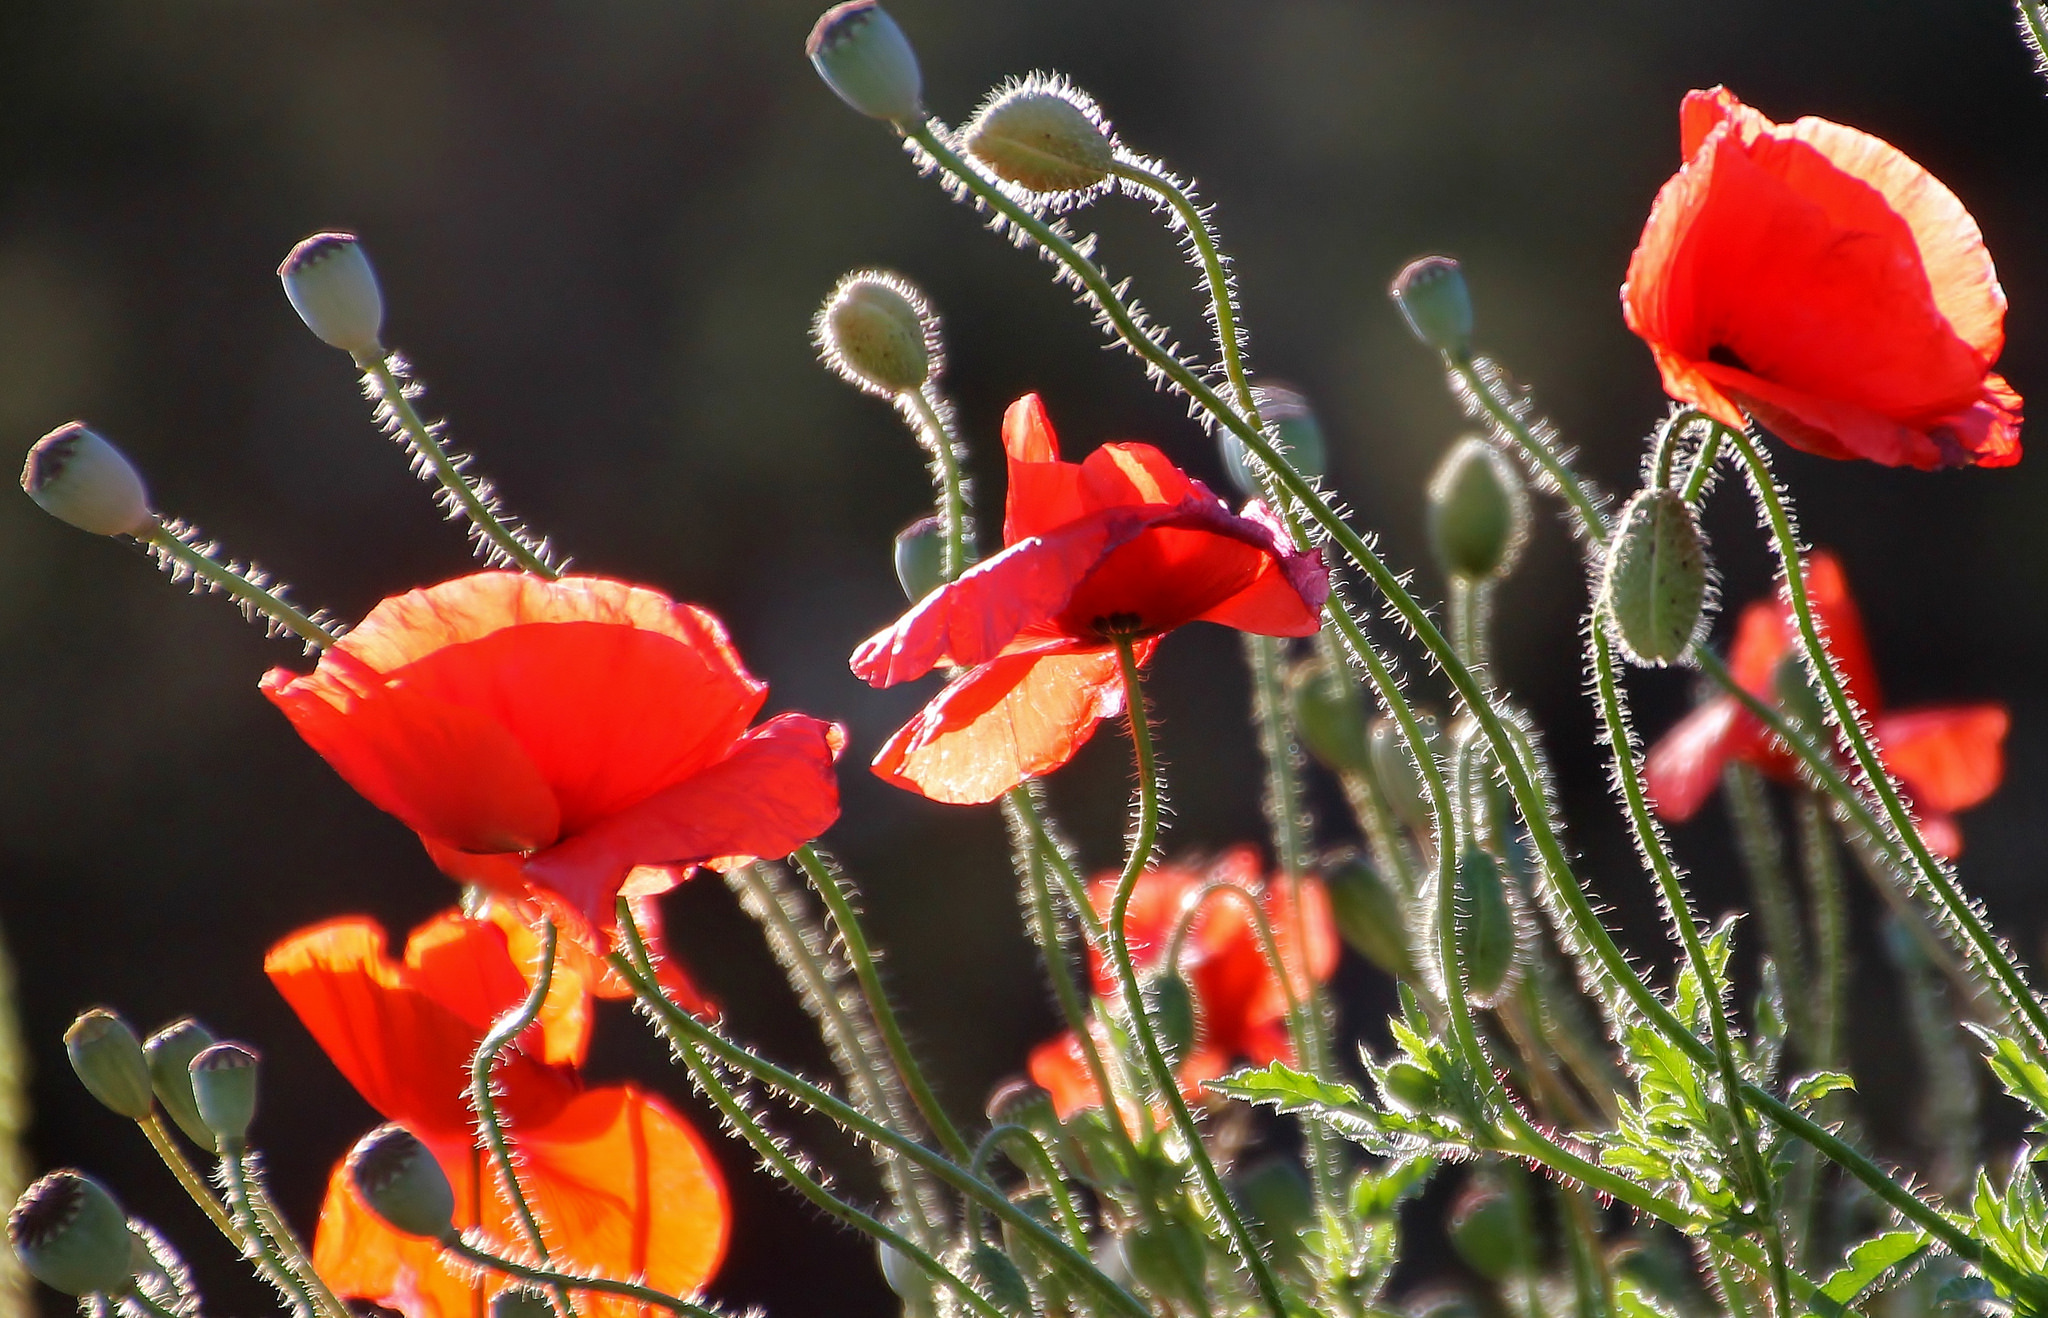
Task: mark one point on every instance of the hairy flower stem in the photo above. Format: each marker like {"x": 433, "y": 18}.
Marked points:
{"x": 257, "y": 1246}
{"x": 255, "y": 598}
{"x": 1628, "y": 774}
{"x": 944, "y": 447}
{"x": 683, "y": 1028}
{"x": 483, "y": 1097}
{"x": 1037, "y": 1162}
{"x": 1823, "y": 868}
{"x": 189, "y": 1179}
{"x": 556, "y": 1279}
{"x": 292, "y": 1252}
{"x": 1762, "y": 850}
{"x": 1144, "y": 835}
{"x": 1589, "y": 521}
{"x": 831, "y": 889}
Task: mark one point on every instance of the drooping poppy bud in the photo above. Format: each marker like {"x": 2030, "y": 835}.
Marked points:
{"x": 108, "y": 1059}
{"x": 1488, "y": 932}
{"x": 1485, "y": 1231}
{"x": 397, "y": 1177}
{"x": 1395, "y": 768}
{"x": 1043, "y": 134}
{"x": 921, "y": 557}
{"x": 521, "y": 1302}
{"x": 1478, "y": 512}
{"x": 865, "y": 58}
{"x": 1329, "y": 716}
{"x": 878, "y": 332}
{"x": 1170, "y": 1005}
{"x": 1022, "y": 1103}
{"x": 331, "y": 285}
{"x": 1371, "y": 916}
{"x": 224, "y": 1090}
{"x": 1291, "y": 420}
{"x": 1657, "y": 578}
{"x": 76, "y": 476}
{"x": 72, "y": 1237}
{"x": 1436, "y": 304}
{"x": 170, "y": 1052}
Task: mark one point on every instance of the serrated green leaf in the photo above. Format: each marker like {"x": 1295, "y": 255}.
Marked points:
{"x": 2022, "y": 1076}
{"x": 1281, "y": 1086}
{"x": 1875, "y": 1262}
{"x": 1810, "y": 1089}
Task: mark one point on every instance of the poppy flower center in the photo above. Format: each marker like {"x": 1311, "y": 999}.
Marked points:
{"x": 1118, "y": 626}
{"x": 1723, "y": 355}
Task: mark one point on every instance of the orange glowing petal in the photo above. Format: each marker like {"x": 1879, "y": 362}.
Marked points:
{"x": 361, "y": 1258}
{"x": 1950, "y": 757}
{"x": 1683, "y": 768}
{"x": 561, "y": 1036}
{"x": 1058, "y": 1067}
{"x": 1012, "y": 719}
{"x": 1133, "y": 475}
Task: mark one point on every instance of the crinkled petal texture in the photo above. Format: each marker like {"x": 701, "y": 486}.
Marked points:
{"x": 1948, "y": 758}
{"x": 623, "y": 1185}
{"x": 1815, "y": 277}
{"x": 1122, "y": 543}
{"x": 1240, "y": 1002}
{"x": 549, "y": 737}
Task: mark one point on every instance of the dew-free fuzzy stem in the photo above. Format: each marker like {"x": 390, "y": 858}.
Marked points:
{"x": 185, "y": 554}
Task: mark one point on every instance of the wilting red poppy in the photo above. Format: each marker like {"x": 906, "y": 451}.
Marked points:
{"x": 1949, "y": 757}
{"x": 1240, "y": 1003}
{"x": 1814, "y": 277}
{"x": 1122, "y": 543}
{"x": 622, "y": 1185}
{"x": 563, "y": 740}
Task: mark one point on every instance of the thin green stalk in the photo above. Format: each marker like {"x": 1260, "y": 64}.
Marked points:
{"x": 1763, "y": 860}
{"x": 830, "y": 887}
{"x": 1702, "y": 470}
{"x": 257, "y": 1247}
{"x": 556, "y": 1279}
{"x": 1041, "y": 1165}
{"x": 1979, "y": 943}
{"x": 482, "y": 1097}
{"x": 1144, "y": 835}
{"x": 139, "y": 1297}
{"x": 1823, "y": 868}
{"x": 1591, "y": 1277}
{"x": 681, "y": 1026}
{"x": 468, "y": 498}
{"x": 252, "y": 595}
{"x": 1628, "y": 774}
{"x": 189, "y": 1179}
{"x": 953, "y": 511}
{"x": 2034, "y": 29}
{"x": 1590, "y": 523}
{"x": 293, "y": 1253}
{"x": 1070, "y": 879}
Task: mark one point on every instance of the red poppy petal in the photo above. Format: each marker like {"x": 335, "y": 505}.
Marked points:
{"x": 1827, "y": 589}
{"x": 1683, "y": 768}
{"x": 1044, "y": 492}
{"x": 361, "y": 1257}
{"x": 1951, "y": 757}
{"x": 1938, "y": 828}
{"x": 1012, "y": 719}
{"x": 1124, "y": 475}
{"x": 1059, "y": 1068}
{"x": 773, "y": 793}
{"x": 561, "y": 1036}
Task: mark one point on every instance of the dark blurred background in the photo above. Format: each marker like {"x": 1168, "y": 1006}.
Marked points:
{"x": 602, "y": 229}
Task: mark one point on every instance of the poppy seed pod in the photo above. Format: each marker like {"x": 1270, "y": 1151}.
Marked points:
{"x": 521, "y": 1302}
{"x": 1657, "y": 578}
{"x": 332, "y": 287}
{"x": 71, "y": 1236}
{"x": 921, "y": 557}
{"x": 1329, "y": 716}
{"x": 1488, "y": 932}
{"x": 1042, "y": 134}
{"x": 877, "y": 331}
{"x": 1436, "y": 304}
{"x": 399, "y": 1179}
{"x": 108, "y": 1059}
{"x": 76, "y": 476}
{"x": 1478, "y": 512}
{"x": 864, "y": 57}
{"x": 224, "y": 1089}
{"x": 1288, "y": 418}
{"x": 170, "y": 1052}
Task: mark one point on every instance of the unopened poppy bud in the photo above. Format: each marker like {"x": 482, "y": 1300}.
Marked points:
{"x": 1436, "y": 304}
{"x": 1329, "y": 715}
{"x": 1656, "y": 587}
{"x": 1043, "y": 135}
{"x": 170, "y": 1052}
{"x": 76, "y": 476}
{"x": 1022, "y": 1103}
{"x": 334, "y": 290}
{"x": 1371, "y": 916}
{"x": 1395, "y": 769}
{"x": 877, "y": 331}
{"x": 1170, "y": 1005}
{"x": 1792, "y": 683}
{"x": 521, "y": 1302}
{"x": 863, "y": 56}
{"x": 71, "y": 1236}
{"x": 1281, "y": 1201}
{"x": 1167, "y": 1259}
{"x": 1485, "y": 1232}
{"x": 398, "y": 1178}
{"x": 997, "y": 1277}
{"x": 1487, "y": 929}
{"x": 1478, "y": 512}
{"x": 902, "y": 1273}
{"x": 1409, "y": 1086}
{"x": 921, "y": 557}
{"x": 224, "y": 1088}
{"x": 108, "y": 1059}
{"x": 1287, "y": 414}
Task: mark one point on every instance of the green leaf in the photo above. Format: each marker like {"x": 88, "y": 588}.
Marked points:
{"x": 2022, "y": 1076}
{"x": 1877, "y": 1262}
{"x": 1810, "y": 1089}
{"x": 1281, "y": 1086}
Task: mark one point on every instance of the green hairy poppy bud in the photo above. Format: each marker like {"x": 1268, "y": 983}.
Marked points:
{"x": 1329, "y": 715}
{"x": 1022, "y": 1103}
{"x": 397, "y": 1177}
{"x": 108, "y": 1059}
{"x": 1288, "y": 415}
{"x": 901, "y": 1272}
{"x": 864, "y": 57}
{"x": 1478, "y": 512}
{"x": 997, "y": 1277}
{"x": 1371, "y": 916}
{"x": 1171, "y": 1006}
{"x": 170, "y": 1052}
{"x": 1397, "y": 773}
{"x": 1487, "y": 929}
{"x": 78, "y": 477}
{"x": 921, "y": 557}
{"x": 334, "y": 290}
{"x": 1042, "y": 134}
{"x": 1436, "y": 304}
{"x": 521, "y": 1302}
{"x": 224, "y": 1090}
{"x": 71, "y": 1236}
{"x": 1484, "y": 1231}
{"x": 877, "y": 331}
{"x": 1657, "y": 578}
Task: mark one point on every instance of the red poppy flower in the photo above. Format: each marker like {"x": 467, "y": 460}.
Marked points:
{"x": 1949, "y": 757}
{"x": 1815, "y": 277}
{"x": 1120, "y": 544}
{"x": 563, "y": 740}
{"x": 1240, "y": 1003}
{"x": 622, "y": 1185}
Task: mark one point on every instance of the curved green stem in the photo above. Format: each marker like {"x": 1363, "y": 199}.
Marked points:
{"x": 1589, "y": 522}
{"x": 257, "y": 1247}
{"x": 251, "y": 595}
{"x": 1041, "y": 1164}
{"x": 556, "y": 1279}
{"x": 189, "y": 1179}
{"x": 953, "y": 512}
{"x": 832, "y": 890}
